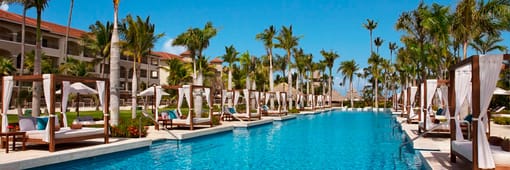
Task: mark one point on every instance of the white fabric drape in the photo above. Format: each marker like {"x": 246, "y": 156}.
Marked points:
{"x": 236, "y": 97}
{"x": 246, "y": 94}
{"x": 405, "y": 100}
{"x": 47, "y": 92}
{"x": 446, "y": 109}
{"x": 490, "y": 67}
{"x": 207, "y": 95}
{"x": 159, "y": 94}
{"x": 310, "y": 100}
{"x": 462, "y": 88}
{"x": 179, "y": 101}
{"x": 268, "y": 95}
{"x": 7, "y": 94}
{"x": 277, "y": 94}
{"x": 414, "y": 89}
{"x": 223, "y": 96}
{"x": 66, "y": 86}
{"x": 422, "y": 101}
{"x": 188, "y": 97}
{"x": 284, "y": 100}
{"x": 431, "y": 90}
{"x": 101, "y": 93}
{"x": 257, "y": 97}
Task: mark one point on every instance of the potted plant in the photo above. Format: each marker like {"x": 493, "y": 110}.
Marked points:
{"x": 505, "y": 144}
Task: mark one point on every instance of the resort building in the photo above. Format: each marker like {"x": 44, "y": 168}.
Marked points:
{"x": 53, "y": 42}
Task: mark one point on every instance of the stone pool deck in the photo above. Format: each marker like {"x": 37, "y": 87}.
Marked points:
{"x": 435, "y": 151}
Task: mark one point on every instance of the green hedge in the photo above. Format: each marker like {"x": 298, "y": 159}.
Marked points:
{"x": 502, "y": 120}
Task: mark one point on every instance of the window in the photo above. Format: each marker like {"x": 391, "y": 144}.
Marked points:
{"x": 143, "y": 73}
{"x": 154, "y": 74}
{"x": 154, "y": 62}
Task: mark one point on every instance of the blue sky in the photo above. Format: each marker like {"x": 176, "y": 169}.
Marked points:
{"x": 323, "y": 24}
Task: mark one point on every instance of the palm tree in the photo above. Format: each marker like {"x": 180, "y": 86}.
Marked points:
{"x": 247, "y": 65}
{"x": 37, "y": 85}
{"x": 287, "y": 41}
{"x": 348, "y": 68}
{"x": 386, "y": 66}
{"x": 114, "y": 67}
{"x": 75, "y": 67}
{"x": 370, "y": 26}
{"x": 230, "y": 57}
{"x": 139, "y": 40}
{"x": 27, "y": 4}
{"x": 374, "y": 62}
{"x": 67, "y": 28}
{"x": 378, "y": 42}
{"x": 392, "y": 46}
{"x": 98, "y": 42}
{"x": 483, "y": 44}
{"x": 178, "y": 73}
{"x": 267, "y": 37}
{"x": 299, "y": 64}
{"x": 329, "y": 58}
{"x": 280, "y": 63}
{"x": 6, "y": 67}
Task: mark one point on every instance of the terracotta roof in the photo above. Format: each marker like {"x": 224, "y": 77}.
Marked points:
{"x": 165, "y": 55}
{"x": 48, "y": 26}
{"x": 186, "y": 53}
{"x": 217, "y": 60}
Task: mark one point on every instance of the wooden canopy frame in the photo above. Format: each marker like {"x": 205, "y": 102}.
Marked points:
{"x": 58, "y": 79}
{"x": 439, "y": 83}
{"x": 191, "y": 109}
{"x": 281, "y": 102}
{"x": 250, "y": 93}
{"x": 475, "y": 95}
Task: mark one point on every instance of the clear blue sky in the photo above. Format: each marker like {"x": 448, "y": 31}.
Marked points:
{"x": 323, "y": 24}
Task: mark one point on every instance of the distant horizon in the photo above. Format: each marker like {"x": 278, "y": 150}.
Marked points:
{"x": 324, "y": 24}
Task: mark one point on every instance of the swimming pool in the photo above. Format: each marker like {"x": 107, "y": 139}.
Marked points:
{"x": 331, "y": 140}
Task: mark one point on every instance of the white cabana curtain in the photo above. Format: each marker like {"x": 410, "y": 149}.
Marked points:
{"x": 159, "y": 94}
{"x": 236, "y": 97}
{"x": 310, "y": 100}
{"x": 422, "y": 101}
{"x": 179, "y": 100}
{"x": 257, "y": 97}
{"x": 278, "y": 96}
{"x": 490, "y": 67}
{"x": 101, "y": 93}
{"x": 246, "y": 94}
{"x": 47, "y": 93}
{"x": 284, "y": 100}
{"x": 431, "y": 90}
{"x": 66, "y": 86}
{"x": 207, "y": 95}
{"x": 446, "y": 109}
{"x": 187, "y": 97}
{"x": 7, "y": 93}
{"x": 462, "y": 89}
{"x": 405, "y": 100}
{"x": 414, "y": 89}
{"x": 268, "y": 95}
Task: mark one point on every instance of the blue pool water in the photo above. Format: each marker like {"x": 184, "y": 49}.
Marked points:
{"x": 331, "y": 140}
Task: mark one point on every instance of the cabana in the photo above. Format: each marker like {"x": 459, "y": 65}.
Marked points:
{"x": 430, "y": 88}
{"x": 281, "y": 99}
{"x": 310, "y": 102}
{"x": 50, "y": 135}
{"x": 411, "y": 98}
{"x": 188, "y": 92}
{"x": 157, "y": 93}
{"x": 234, "y": 95}
{"x": 476, "y": 75}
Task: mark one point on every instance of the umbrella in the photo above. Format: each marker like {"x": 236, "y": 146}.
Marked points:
{"x": 79, "y": 88}
{"x": 150, "y": 92}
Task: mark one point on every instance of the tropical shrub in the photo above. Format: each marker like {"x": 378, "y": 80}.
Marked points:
{"x": 502, "y": 120}
{"x": 130, "y": 128}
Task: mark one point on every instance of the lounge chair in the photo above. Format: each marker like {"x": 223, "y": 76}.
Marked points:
{"x": 231, "y": 111}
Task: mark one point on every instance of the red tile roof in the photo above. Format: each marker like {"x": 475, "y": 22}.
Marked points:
{"x": 217, "y": 60}
{"x": 48, "y": 26}
{"x": 166, "y": 56}
{"x": 186, "y": 53}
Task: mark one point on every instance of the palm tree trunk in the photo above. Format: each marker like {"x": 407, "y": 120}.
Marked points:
{"x": 271, "y": 80}
{"x": 67, "y": 29}
{"x": 465, "y": 49}
{"x": 134, "y": 85}
{"x": 289, "y": 81}
{"x": 376, "y": 92}
{"x": 229, "y": 78}
{"x": 20, "y": 112}
{"x": 350, "y": 91}
{"x": 114, "y": 70}
{"x": 37, "y": 85}
{"x": 329, "y": 86}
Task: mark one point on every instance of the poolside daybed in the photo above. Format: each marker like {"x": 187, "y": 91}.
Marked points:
{"x": 50, "y": 135}
{"x": 234, "y": 95}
{"x": 188, "y": 92}
{"x": 281, "y": 99}
{"x": 474, "y": 79}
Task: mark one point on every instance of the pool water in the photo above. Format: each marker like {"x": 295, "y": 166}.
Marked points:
{"x": 331, "y": 140}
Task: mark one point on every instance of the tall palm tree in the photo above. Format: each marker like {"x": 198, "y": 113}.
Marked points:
{"x": 98, "y": 41}
{"x": 378, "y": 42}
{"x": 39, "y": 5}
{"x": 287, "y": 41}
{"x": 280, "y": 63}
{"x": 140, "y": 38}
{"x": 114, "y": 67}
{"x": 348, "y": 69}
{"x": 267, "y": 38}
{"x": 68, "y": 27}
{"x": 370, "y": 26}
{"x": 484, "y": 44}
{"x": 27, "y": 4}
{"x": 230, "y": 57}
{"x": 386, "y": 66}
{"x": 374, "y": 62}
{"x": 299, "y": 57}
{"x": 247, "y": 64}
{"x": 392, "y": 46}
{"x": 75, "y": 67}
{"x": 329, "y": 58}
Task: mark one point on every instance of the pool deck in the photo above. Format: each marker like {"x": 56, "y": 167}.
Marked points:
{"x": 435, "y": 151}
